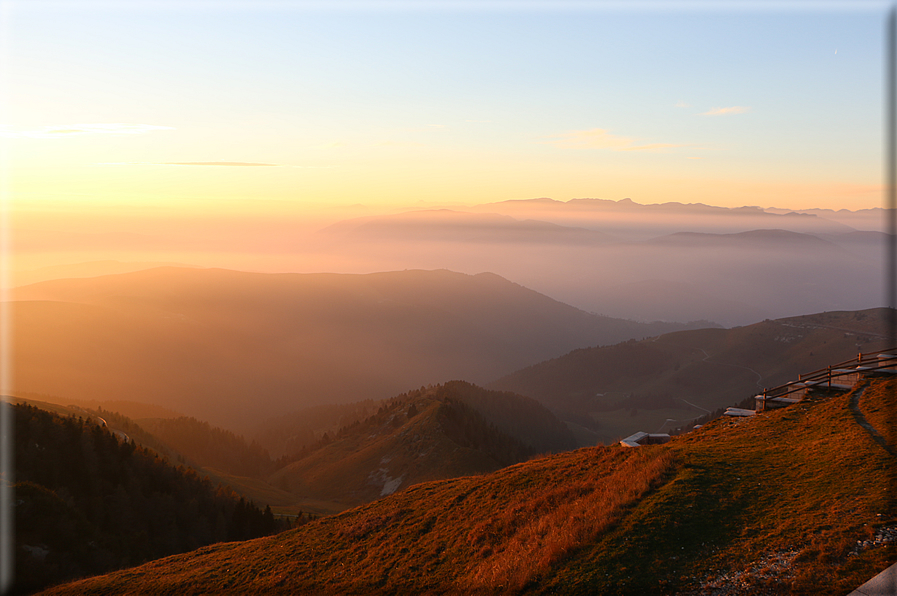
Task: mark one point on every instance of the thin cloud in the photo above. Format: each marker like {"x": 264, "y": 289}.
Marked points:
{"x": 206, "y": 163}
{"x": 68, "y": 130}
{"x": 682, "y": 104}
{"x": 217, "y": 163}
{"x": 598, "y": 138}
{"x": 726, "y": 111}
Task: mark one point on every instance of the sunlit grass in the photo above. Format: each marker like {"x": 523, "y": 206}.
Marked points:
{"x": 789, "y": 502}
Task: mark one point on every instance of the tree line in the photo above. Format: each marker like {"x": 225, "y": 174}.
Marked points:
{"x": 88, "y": 502}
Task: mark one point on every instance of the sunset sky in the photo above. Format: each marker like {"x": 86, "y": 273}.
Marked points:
{"x": 295, "y": 105}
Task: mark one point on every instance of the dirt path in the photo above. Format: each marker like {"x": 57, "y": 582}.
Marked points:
{"x": 861, "y": 420}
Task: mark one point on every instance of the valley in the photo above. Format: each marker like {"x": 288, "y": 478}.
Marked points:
{"x": 364, "y": 298}
{"x": 426, "y": 429}
{"x": 201, "y": 341}
{"x": 805, "y": 484}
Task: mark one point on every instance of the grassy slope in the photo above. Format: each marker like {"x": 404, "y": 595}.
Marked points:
{"x": 879, "y": 407}
{"x": 805, "y": 479}
{"x": 721, "y": 506}
{"x": 364, "y": 466}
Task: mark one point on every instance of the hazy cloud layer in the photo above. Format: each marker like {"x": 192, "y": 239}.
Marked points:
{"x": 217, "y": 163}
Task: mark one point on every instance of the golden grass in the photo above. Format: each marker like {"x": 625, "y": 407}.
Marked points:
{"x": 547, "y": 524}
{"x": 878, "y": 405}
{"x": 805, "y": 479}
{"x": 802, "y": 484}
{"x": 457, "y": 536}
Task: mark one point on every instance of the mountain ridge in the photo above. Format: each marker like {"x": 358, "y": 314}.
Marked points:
{"x": 200, "y": 340}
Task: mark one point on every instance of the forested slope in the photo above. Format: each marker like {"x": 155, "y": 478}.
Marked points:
{"x": 88, "y": 502}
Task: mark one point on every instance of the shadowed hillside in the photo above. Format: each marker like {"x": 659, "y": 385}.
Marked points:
{"x": 208, "y": 342}
{"x": 658, "y": 384}
{"x": 287, "y": 434}
{"x": 450, "y": 430}
{"x": 87, "y": 502}
{"x": 518, "y": 416}
{"x": 210, "y": 447}
{"x": 794, "y": 501}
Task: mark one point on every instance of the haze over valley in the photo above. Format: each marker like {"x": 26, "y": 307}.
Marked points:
{"x": 671, "y": 262}
{"x": 388, "y": 298}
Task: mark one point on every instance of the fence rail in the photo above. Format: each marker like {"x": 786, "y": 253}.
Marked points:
{"x": 851, "y": 371}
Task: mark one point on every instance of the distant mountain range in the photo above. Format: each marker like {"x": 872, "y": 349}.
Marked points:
{"x": 670, "y": 262}
{"x": 237, "y": 348}
{"x": 639, "y": 221}
{"x": 667, "y": 262}
{"x": 457, "y": 226}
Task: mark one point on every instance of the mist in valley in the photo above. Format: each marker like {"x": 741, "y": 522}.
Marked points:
{"x": 669, "y": 262}
{"x": 437, "y": 263}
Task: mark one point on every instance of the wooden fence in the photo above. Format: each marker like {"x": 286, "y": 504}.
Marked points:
{"x": 842, "y": 377}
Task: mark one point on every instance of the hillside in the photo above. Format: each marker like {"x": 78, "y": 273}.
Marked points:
{"x": 87, "y": 502}
{"x": 518, "y": 416}
{"x": 210, "y": 447}
{"x": 206, "y": 342}
{"x": 446, "y": 431}
{"x": 474, "y": 430}
{"x": 288, "y": 433}
{"x": 657, "y": 384}
{"x": 795, "y": 501}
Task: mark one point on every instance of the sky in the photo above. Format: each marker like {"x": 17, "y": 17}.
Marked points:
{"x": 292, "y": 106}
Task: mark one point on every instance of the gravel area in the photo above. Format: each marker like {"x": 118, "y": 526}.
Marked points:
{"x": 766, "y": 576}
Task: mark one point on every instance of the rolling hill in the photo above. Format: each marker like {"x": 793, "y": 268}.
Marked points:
{"x": 207, "y": 342}
{"x": 657, "y": 384}
{"x": 446, "y": 431}
{"x": 793, "y": 501}
{"x": 436, "y": 432}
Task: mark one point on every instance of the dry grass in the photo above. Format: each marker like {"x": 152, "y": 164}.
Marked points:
{"x": 776, "y": 504}
{"x": 546, "y": 525}
{"x": 805, "y": 479}
{"x": 879, "y": 405}
{"x": 459, "y": 536}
